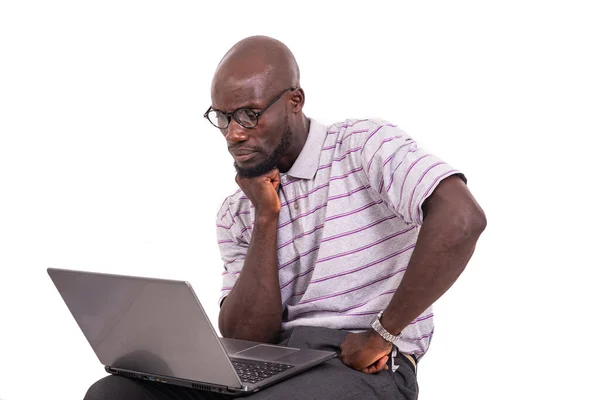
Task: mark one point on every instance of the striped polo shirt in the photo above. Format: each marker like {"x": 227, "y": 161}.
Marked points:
{"x": 349, "y": 220}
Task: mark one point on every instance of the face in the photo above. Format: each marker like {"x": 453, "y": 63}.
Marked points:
{"x": 256, "y": 150}
{"x": 264, "y": 159}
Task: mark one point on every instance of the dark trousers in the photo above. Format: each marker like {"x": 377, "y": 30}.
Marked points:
{"x": 331, "y": 380}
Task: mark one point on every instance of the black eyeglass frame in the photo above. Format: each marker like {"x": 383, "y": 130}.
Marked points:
{"x": 229, "y": 115}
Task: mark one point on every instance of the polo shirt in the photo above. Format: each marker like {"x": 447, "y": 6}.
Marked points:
{"x": 351, "y": 210}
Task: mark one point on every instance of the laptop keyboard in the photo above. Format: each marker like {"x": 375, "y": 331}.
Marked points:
{"x": 253, "y": 372}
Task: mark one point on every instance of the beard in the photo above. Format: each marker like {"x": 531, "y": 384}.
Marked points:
{"x": 271, "y": 160}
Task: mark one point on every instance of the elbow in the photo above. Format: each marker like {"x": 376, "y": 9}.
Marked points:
{"x": 471, "y": 222}
{"x": 478, "y": 221}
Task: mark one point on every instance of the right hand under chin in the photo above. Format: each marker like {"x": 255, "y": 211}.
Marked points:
{"x": 262, "y": 192}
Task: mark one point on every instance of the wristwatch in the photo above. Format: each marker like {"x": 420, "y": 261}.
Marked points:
{"x": 377, "y": 327}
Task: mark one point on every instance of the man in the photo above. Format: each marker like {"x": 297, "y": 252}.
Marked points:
{"x": 340, "y": 237}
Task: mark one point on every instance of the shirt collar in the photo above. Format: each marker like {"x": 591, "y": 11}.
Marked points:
{"x": 305, "y": 166}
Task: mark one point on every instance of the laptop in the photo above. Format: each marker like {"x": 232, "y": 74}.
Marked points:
{"x": 156, "y": 330}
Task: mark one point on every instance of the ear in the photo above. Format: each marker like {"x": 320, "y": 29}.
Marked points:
{"x": 298, "y": 100}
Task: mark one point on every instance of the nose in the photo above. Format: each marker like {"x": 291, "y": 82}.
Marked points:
{"x": 235, "y": 133}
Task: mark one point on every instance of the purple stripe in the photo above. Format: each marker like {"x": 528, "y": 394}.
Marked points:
{"x": 421, "y": 319}
{"x": 335, "y": 236}
{"x": 281, "y": 246}
{"x": 305, "y": 195}
{"x": 232, "y": 261}
{"x": 296, "y": 277}
{"x": 334, "y": 178}
{"x": 227, "y": 198}
{"x": 387, "y": 160}
{"x": 346, "y": 153}
{"x": 293, "y": 260}
{"x": 381, "y": 145}
{"x": 233, "y": 217}
{"x": 353, "y": 289}
{"x": 358, "y": 229}
{"x": 290, "y": 182}
{"x": 341, "y": 255}
{"x": 381, "y": 186}
{"x": 451, "y": 172}
{"x": 224, "y": 241}
{"x": 348, "y": 308}
{"x": 240, "y": 213}
{"x": 366, "y": 302}
{"x": 302, "y": 215}
{"x": 350, "y": 134}
{"x": 295, "y": 294}
{"x": 417, "y": 185}
{"x": 321, "y": 186}
{"x": 325, "y": 205}
{"x": 226, "y": 288}
{"x": 379, "y": 148}
{"x": 371, "y": 264}
{"x": 421, "y": 337}
{"x": 368, "y": 246}
{"x": 350, "y": 193}
{"x": 338, "y": 142}
{"x": 338, "y": 159}
{"x": 370, "y": 136}
{"x": 377, "y": 311}
{"x": 363, "y": 313}
{"x": 405, "y": 175}
{"x": 354, "y": 211}
{"x": 347, "y": 126}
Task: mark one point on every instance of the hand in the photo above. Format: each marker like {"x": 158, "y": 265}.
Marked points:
{"x": 262, "y": 192}
{"x": 366, "y": 352}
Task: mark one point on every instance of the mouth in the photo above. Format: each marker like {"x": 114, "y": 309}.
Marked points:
{"x": 243, "y": 155}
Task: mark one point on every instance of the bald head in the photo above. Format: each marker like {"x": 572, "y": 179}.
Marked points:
{"x": 256, "y": 74}
{"x": 260, "y": 62}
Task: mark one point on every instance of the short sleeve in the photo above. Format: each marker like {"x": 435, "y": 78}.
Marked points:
{"x": 233, "y": 249}
{"x": 403, "y": 174}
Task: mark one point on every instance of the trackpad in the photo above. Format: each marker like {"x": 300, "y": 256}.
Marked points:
{"x": 265, "y": 352}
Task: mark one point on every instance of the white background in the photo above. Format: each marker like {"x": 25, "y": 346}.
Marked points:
{"x": 106, "y": 164}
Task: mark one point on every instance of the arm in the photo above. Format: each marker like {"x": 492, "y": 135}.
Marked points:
{"x": 252, "y": 310}
{"x": 453, "y": 222}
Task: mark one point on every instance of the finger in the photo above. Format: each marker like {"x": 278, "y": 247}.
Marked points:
{"x": 366, "y": 370}
{"x": 274, "y": 177}
{"x": 382, "y": 363}
{"x": 377, "y": 366}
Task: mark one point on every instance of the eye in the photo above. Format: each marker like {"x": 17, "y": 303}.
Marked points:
{"x": 247, "y": 117}
{"x": 218, "y": 119}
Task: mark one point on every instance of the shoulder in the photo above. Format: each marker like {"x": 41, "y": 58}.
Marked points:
{"x": 359, "y": 131}
{"x": 361, "y": 137}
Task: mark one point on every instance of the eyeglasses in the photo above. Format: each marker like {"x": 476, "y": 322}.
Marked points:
{"x": 244, "y": 116}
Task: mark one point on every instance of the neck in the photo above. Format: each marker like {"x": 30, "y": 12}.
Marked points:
{"x": 299, "y": 136}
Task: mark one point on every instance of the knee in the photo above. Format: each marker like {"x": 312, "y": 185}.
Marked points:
{"x": 113, "y": 388}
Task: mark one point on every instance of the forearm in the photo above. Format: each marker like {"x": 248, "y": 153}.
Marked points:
{"x": 444, "y": 247}
{"x": 252, "y": 310}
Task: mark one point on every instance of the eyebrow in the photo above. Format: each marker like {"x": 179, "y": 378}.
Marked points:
{"x": 251, "y": 105}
